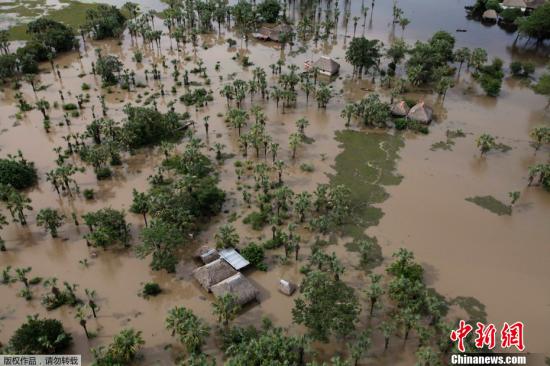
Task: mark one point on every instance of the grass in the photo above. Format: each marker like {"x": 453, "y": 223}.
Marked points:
{"x": 72, "y": 13}
{"x": 492, "y": 204}
{"x": 366, "y": 165}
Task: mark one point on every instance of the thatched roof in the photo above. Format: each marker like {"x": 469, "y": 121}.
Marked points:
{"x": 213, "y": 273}
{"x": 490, "y": 15}
{"x": 206, "y": 254}
{"x": 533, "y": 4}
{"x": 400, "y": 109}
{"x": 328, "y": 65}
{"x": 514, "y": 4}
{"x": 420, "y": 113}
{"x": 243, "y": 290}
{"x": 286, "y": 287}
{"x": 273, "y": 33}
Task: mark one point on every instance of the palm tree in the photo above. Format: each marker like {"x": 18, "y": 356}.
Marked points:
{"x": 279, "y": 165}
{"x": 190, "y": 330}
{"x": 274, "y": 148}
{"x": 294, "y": 140}
{"x": 388, "y": 328}
{"x": 461, "y": 55}
{"x": 126, "y": 344}
{"x": 91, "y": 301}
{"x": 426, "y": 356}
{"x": 348, "y": 112}
{"x": 80, "y": 315}
{"x": 302, "y": 123}
{"x": 225, "y": 308}
{"x": 3, "y": 222}
{"x": 302, "y": 204}
{"x": 355, "y": 20}
{"x": 374, "y": 291}
{"x": 50, "y": 219}
{"x": 323, "y": 95}
{"x": 238, "y": 118}
{"x": 227, "y": 236}
{"x": 17, "y": 204}
{"x": 219, "y": 147}
{"x": 485, "y": 143}
{"x": 361, "y": 346}
{"x": 308, "y": 87}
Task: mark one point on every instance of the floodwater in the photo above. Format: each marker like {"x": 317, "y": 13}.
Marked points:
{"x": 466, "y": 250}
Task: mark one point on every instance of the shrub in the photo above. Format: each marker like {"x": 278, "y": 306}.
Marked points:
{"x": 40, "y": 336}
{"x": 255, "y": 255}
{"x": 151, "y": 289}
{"x": 307, "y": 167}
{"x": 19, "y": 173}
{"x": 103, "y": 173}
{"x": 85, "y": 86}
{"x": 256, "y": 219}
{"x": 89, "y": 193}
{"x": 70, "y": 107}
{"x": 401, "y": 123}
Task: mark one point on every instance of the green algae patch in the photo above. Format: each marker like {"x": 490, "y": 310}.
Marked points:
{"x": 366, "y": 165}
{"x": 492, "y": 204}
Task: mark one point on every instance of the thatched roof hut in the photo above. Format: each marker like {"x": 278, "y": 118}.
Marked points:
{"x": 490, "y": 15}
{"x": 213, "y": 273}
{"x": 272, "y": 34}
{"x": 534, "y": 4}
{"x": 243, "y": 290}
{"x": 514, "y": 4}
{"x": 287, "y": 287}
{"x": 206, "y": 254}
{"x": 327, "y": 66}
{"x": 420, "y": 113}
{"x": 400, "y": 109}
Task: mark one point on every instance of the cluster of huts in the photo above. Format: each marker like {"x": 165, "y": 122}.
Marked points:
{"x": 491, "y": 15}
{"x": 420, "y": 112}
{"x": 220, "y": 274}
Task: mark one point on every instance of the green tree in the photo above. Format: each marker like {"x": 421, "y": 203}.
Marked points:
{"x": 225, "y": 308}
{"x": 543, "y": 87}
{"x": 323, "y": 95}
{"x": 363, "y": 54}
{"x": 105, "y": 21}
{"x": 107, "y": 227}
{"x": 227, "y": 237}
{"x": 50, "y": 219}
{"x": 295, "y": 140}
{"x": 160, "y": 240}
{"x": 52, "y": 34}
{"x": 17, "y": 205}
{"x": 140, "y": 204}
{"x": 40, "y": 336}
{"x": 536, "y": 25}
{"x": 360, "y": 346}
{"x": 485, "y": 143}
{"x": 374, "y": 291}
{"x": 109, "y": 68}
{"x": 269, "y": 10}
{"x": 188, "y": 328}
{"x": 17, "y": 172}
{"x": 328, "y": 306}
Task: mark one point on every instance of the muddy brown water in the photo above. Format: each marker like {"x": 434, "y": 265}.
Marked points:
{"x": 466, "y": 250}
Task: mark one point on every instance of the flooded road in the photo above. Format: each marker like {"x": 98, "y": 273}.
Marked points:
{"x": 502, "y": 261}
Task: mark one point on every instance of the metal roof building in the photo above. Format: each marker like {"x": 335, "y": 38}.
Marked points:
{"x": 231, "y": 256}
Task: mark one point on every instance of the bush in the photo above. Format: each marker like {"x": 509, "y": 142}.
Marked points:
{"x": 151, "y": 289}
{"x": 103, "y": 173}
{"x": 18, "y": 173}
{"x": 85, "y": 86}
{"x": 256, "y": 219}
{"x": 70, "y": 107}
{"x": 255, "y": 255}
{"x": 306, "y": 167}
{"x": 40, "y": 336}
{"x": 89, "y": 193}
{"x": 401, "y": 123}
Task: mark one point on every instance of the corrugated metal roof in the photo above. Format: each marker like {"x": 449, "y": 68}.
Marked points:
{"x": 232, "y": 257}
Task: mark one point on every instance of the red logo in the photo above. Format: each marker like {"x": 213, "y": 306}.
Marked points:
{"x": 511, "y": 335}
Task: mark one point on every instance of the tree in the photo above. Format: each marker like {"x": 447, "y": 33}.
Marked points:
{"x": 140, "y": 204}
{"x": 363, "y": 54}
{"x": 536, "y": 25}
{"x": 17, "y": 172}
{"x": 269, "y": 10}
{"x": 388, "y": 328}
{"x": 17, "y": 205}
{"x": 40, "y": 336}
{"x": 3, "y": 222}
{"x": 540, "y": 136}
{"x": 50, "y": 219}
{"x": 374, "y": 291}
{"x": 328, "y": 306}
{"x": 295, "y": 140}
{"x": 361, "y": 346}
{"x": 225, "y": 308}
{"x": 373, "y": 111}
{"x": 485, "y": 143}
{"x": 543, "y": 87}
{"x": 107, "y": 227}
{"x": 188, "y": 328}
{"x": 122, "y": 351}
{"x": 347, "y": 113}
{"x": 461, "y": 56}
{"x": 323, "y": 95}
{"x": 301, "y": 124}
{"x": 227, "y": 237}
{"x": 302, "y": 204}
{"x": 426, "y": 356}
{"x": 109, "y": 68}
{"x": 161, "y": 240}
{"x": 105, "y": 21}
{"x": 52, "y": 34}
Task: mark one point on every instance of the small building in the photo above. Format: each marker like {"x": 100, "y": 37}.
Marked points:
{"x": 272, "y": 34}
{"x": 490, "y": 16}
{"x": 420, "y": 113}
{"x": 213, "y": 273}
{"x": 287, "y": 287}
{"x": 207, "y": 254}
{"x": 325, "y": 66}
{"x": 234, "y": 258}
{"x": 237, "y": 285}
{"x": 520, "y": 4}
{"x": 400, "y": 109}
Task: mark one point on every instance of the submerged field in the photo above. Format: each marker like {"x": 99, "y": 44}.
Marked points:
{"x": 430, "y": 193}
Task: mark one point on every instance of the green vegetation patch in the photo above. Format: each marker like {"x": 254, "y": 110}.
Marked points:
{"x": 72, "y": 13}
{"x": 365, "y": 166}
{"x": 443, "y": 145}
{"x": 473, "y": 307}
{"x": 492, "y": 204}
